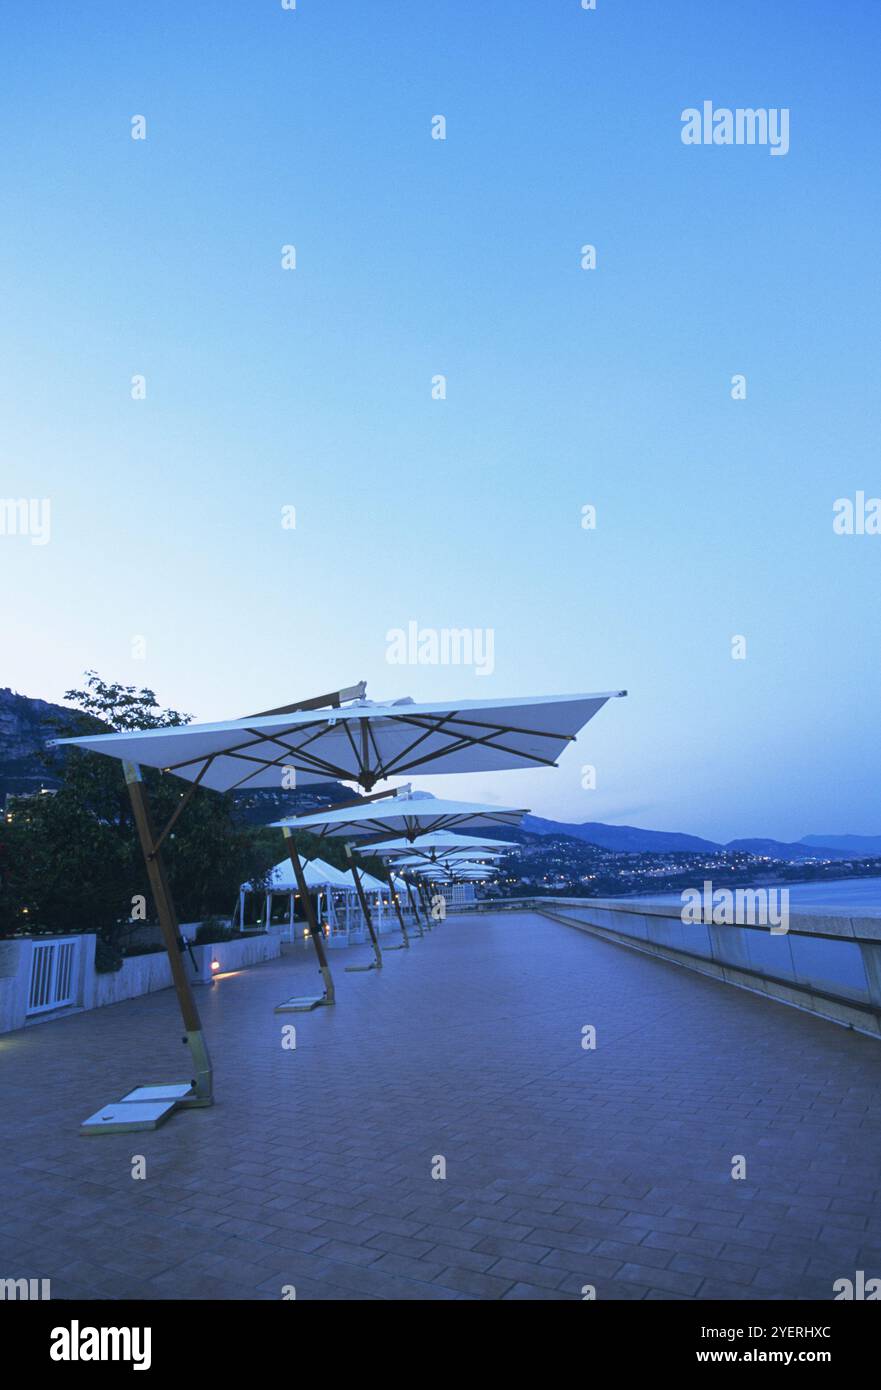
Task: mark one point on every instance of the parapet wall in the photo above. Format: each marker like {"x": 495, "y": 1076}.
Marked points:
{"x": 830, "y": 966}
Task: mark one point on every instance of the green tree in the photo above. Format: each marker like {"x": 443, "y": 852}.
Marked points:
{"x": 72, "y": 861}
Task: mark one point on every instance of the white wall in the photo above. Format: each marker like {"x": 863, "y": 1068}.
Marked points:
{"x": 138, "y": 975}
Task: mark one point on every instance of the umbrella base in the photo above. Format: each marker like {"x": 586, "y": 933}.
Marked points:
{"x": 146, "y": 1107}
{"x": 301, "y": 1004}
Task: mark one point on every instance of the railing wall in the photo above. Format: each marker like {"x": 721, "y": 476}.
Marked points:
{"x": 828, "y": 965}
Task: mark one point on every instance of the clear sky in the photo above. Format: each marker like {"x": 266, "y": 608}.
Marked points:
{"x": 312, "y": 388}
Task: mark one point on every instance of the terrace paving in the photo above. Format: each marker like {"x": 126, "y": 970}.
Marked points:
{"x": 565, "y": 1167}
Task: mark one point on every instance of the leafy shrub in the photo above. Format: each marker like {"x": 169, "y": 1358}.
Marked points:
{"x": 108, "y": 957}
{"x": 212, "y": 930}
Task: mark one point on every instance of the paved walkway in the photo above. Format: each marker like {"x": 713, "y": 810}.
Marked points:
{"x": 564, "y": 1167}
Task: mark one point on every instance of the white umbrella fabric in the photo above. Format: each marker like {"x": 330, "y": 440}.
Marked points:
{"x": 337, "y": 738}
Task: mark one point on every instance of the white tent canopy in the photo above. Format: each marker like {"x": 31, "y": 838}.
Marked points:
{"x": 273, "y": 905}
{"x": 369, "y": 882}
{"x": 357, "y": 740}
{"x": 318, "y": 874}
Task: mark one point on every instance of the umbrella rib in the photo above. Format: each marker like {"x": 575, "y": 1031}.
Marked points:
{"x": 379, "y": 770}
{"x": 473, "y": 743}
{"x": 465, "y": 740}
{"x": 435, "y": 727}
{"x": 365, "y": 748}
{"x": 317, "y": 764}
{"x": 235, "y": 748}
{"x": 184, "y": 802}
{"x": 265, "y": 763}
{"x": 354, "y": 746}
{"x": 481, "y": 724}
{"x": 299, "y": 749}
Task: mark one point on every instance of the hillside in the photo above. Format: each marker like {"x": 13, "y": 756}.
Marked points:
{"x": 868, "y": 845}
{"x": 25, "y": 725}
{"x": 621, "y": 839}
{"x": 779, "y": 849}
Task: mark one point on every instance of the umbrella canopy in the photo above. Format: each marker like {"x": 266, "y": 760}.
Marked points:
{"x": 446, "y": 865}
{"x": 464, "y": 871}
{"x": 443, "y": 844}
{"x": 334, "y": 737}
{"x": 445, "y": 856}
{"x": 409, "y": 814}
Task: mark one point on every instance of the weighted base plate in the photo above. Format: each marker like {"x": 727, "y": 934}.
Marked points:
{"x": 125, "y": 1117}
{"x": 175, "y": 1091}
{"x": 301, "y": 1004}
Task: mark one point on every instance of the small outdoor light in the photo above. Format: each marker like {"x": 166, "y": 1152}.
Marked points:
{"x": 215, "y": 965}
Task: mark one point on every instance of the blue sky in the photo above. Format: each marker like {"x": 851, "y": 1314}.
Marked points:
{"x": 312, "y": 388}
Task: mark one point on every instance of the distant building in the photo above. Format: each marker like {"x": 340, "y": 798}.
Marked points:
{"x": 16, "y": 802}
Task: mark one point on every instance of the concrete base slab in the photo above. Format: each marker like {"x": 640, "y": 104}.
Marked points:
{"x": 127, "y": 1117}
{"x": 302, "y": 1004}
{"x": 175, "y": 1091}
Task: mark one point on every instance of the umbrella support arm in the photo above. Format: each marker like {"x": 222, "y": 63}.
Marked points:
{"x": 203, "y": 1087}
{"x": 426, "y": 902}
{"x": 311, "y": 921}
{"x": 405, "y": 944}
{"x": 362, "y": 898}
{"x": 413, "y": 907}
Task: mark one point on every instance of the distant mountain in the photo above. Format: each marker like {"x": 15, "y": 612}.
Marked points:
{"x": 777, "y": 849}
{"x": 621, "y": 839}
{"x": 25, "y": 725}
{"x": 868, "y": 845}
{"x": 630, "y": 839}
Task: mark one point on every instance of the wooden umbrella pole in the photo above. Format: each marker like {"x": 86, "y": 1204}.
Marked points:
{"x": 311, "y": 920}
{"x": 362, "y": 898}
{"x": 425, "y": 895}
{"x": 202, "y": 1083}
{"x": 413, "y": 907}
{"x": 397, "y": 906}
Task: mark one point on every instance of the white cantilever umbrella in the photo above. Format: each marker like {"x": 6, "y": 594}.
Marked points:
{"x": 337, "y": 738}
{"x": 447, "y": 856}
{"x": 442, "y": 844}
{"x": 439, "y": 848}
{"x": 463, "y": 870}
{"x": 407, "y": 815}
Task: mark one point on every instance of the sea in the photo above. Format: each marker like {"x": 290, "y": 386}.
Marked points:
{"x": 848, "y": 897}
